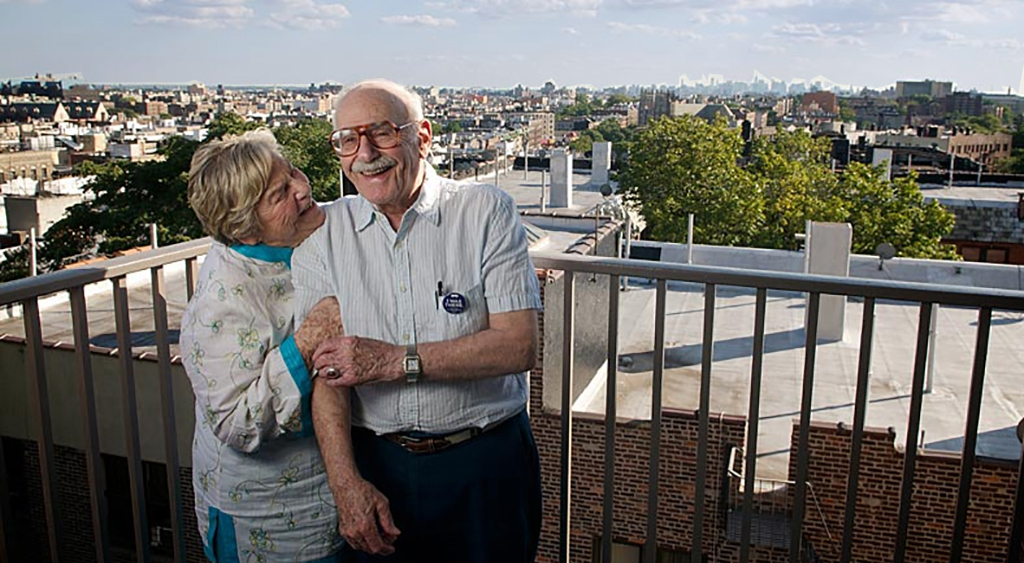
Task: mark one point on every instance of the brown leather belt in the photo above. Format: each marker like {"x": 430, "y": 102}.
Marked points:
{"x": 432, "y": 444}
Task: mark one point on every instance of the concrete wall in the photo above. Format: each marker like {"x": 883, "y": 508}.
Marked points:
{"x": 946, "y": 272}
{"x": 590, "y": 351}
{"x": 25, "y": 213}
{"x": 17, "y": 418}
{"x": 560, "y": 194}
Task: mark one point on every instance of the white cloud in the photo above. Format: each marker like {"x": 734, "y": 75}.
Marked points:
{"x": 762, "y": 48}
{"x": 507, "y": 8}
{"x": 943, "y": 36}
{"x": 419, "y": 21}
{"x": 570, "y": 31}
{"x": 620, "y": 27}
{"x": 193, "y": 13}
{"x": 825, "y": 34}
{"x": 308, "y": 15}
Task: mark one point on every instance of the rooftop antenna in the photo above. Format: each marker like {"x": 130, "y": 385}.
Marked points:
{"x": 885, "y": 251}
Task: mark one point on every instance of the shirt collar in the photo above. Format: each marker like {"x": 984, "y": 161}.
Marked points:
{"x": 425, "y": 205}
{"x": 265, "y": 252}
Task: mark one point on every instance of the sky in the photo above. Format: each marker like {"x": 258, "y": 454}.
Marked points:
{"x": 977, "y": 44}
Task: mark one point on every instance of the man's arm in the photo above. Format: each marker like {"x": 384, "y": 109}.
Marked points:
{"x": 507, "y": 346}
{"x": 364, "y": 516}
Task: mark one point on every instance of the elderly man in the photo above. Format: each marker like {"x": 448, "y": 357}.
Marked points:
{"x": 438, "y": 300}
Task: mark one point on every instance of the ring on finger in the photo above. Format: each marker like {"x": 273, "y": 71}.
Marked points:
{"x": 331, "y": 373}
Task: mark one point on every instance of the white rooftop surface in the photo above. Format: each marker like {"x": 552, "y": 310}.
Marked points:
{"x": 944, "y": 411}
{"x": 979, "y": 196}
{"x": 526, "y": 188}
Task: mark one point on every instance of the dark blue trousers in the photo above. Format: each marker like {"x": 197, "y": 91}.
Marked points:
{"x": 475, "y": 502}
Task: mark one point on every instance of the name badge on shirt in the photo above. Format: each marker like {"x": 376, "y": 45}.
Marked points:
{"x": 454, "y": 303}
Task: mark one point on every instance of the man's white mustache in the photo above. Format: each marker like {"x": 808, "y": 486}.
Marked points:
{"x": 379, "y": 164}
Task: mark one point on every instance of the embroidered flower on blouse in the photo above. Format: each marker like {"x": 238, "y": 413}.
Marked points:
{"x": 277, "y": 289}
{"x": 248, "y": 338}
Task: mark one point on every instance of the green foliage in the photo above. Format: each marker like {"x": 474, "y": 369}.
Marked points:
{"x": 229, "y": 123}
{"x": 15, "y": 265}
{"x": 305, "y": 145}
{"x": 688, "y": 166}
{"x": 681, "y": 166}
{"x": 582, "y": 107}
{"x": 894, "y": 212}
{"x": 986, "y": 123}
{"x": 585, "y": 142}
{"x": 617, "y": 99}
{"x": 797, "y": 184}
{"x": 127, "y": 196}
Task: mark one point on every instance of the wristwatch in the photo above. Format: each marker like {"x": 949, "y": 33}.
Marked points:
{"x": 411, "y": 364}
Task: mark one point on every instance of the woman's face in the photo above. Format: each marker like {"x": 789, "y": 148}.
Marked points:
{"x": 286, "y": 211}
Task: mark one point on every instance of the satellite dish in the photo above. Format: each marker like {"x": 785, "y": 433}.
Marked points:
{"x": 606, "y": 190}
{"x": 884, "y": 251}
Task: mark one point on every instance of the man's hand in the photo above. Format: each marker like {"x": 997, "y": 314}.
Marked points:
{"x": 359, "y": 361}
{"x": 364, "y": 518}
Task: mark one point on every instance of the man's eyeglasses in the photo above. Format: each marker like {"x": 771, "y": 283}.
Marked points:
{"x": 382, "y": 135}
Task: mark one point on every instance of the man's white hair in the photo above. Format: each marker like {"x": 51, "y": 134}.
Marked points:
{"x": 412, "y": 100}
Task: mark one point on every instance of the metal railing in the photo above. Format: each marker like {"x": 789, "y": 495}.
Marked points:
{"x": 927, "y": 295}
{"x": 28, "y": 292}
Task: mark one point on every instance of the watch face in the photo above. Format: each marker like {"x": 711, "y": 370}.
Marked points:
{"x": 412, "y": 364}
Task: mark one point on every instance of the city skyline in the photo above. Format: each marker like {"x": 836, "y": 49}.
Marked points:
{"x": 499, "y": 43}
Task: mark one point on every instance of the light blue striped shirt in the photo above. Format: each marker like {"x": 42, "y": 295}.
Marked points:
{"x": 466, "y": 237}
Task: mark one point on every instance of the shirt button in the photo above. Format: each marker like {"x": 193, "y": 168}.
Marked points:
{"x": 398, "y": 245}
{"x": 405, "y": 337}
{"x": 401, "y": 288}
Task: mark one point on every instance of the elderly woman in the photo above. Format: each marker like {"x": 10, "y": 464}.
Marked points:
{"x": 261, "y": 490}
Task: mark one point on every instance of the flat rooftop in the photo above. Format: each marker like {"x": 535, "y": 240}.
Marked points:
{"x": 945, "y": 408}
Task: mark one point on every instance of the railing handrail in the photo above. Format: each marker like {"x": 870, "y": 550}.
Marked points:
{"x": 785, "y": 281}
{"x": 19, "y": 290}
{"x": 53, "y": 282}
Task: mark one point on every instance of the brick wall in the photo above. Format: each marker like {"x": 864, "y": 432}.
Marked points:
{"x": 936, "y": 482}
{"x": 29, "y": 540}
{"x": 677, "y": 471}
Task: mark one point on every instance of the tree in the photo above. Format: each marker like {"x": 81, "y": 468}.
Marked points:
{"x": 229, "y": 123}
{"x": 686, "y": 165}
{"x": 617, "y": 99}
{"x": 894, "y": 212}
{"x": 305, "y": 144}
{"x": 128, "y": 196}
{"x": 797, "y": 185}
{"x": 585, "y": 142}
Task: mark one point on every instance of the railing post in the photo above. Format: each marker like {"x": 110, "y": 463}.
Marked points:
{"x": 969, "y": 454}
{"x": 859, "y": 413}
{"x": 163, "y": 348}
{"x": 87, "y": 399}
{"x": 131, "y": 418}
{"x": 5, "y": 508}
{"x": 191, "y": 276}
{"x": 568, "y": 340}
{"x": 609, "y": 419}
{"x": 923, "y": 363}
{"x": 753, "y": 418}
{"x": 657, "y": 383}
{"x": 44, "y": 428}
{"x": 803, "y": 442}
{"x": 704, "y": 419}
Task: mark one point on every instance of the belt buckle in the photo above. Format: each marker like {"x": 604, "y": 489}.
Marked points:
{"x": 425, "y": 445}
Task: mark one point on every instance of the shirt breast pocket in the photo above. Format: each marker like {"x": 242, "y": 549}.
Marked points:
{"x": 451, "y": 323}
